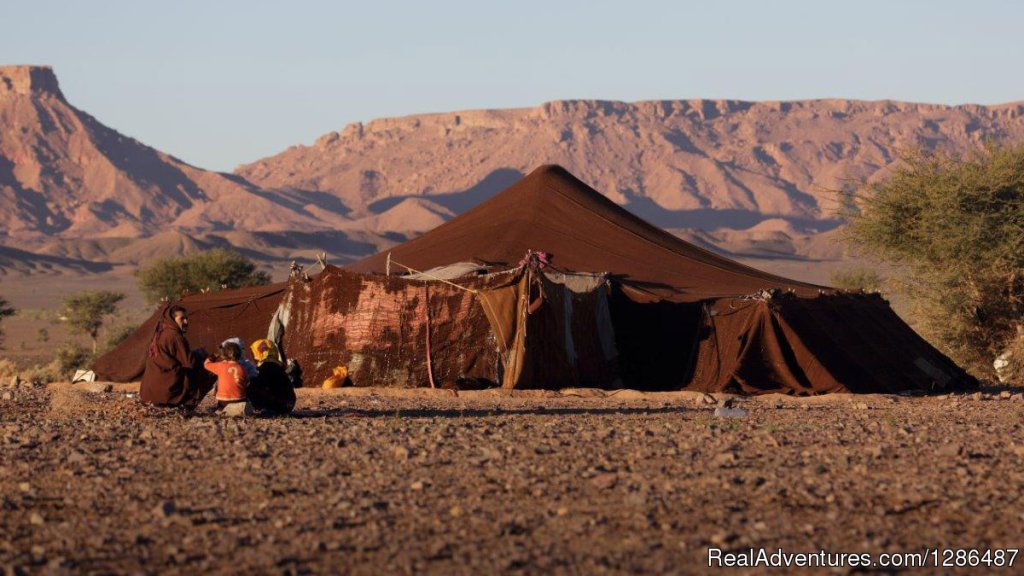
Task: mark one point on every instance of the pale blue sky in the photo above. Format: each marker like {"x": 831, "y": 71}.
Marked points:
{"x": 219, "y": 83}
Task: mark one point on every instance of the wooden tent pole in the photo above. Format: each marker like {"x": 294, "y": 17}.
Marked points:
{"x": 430, "y": 370}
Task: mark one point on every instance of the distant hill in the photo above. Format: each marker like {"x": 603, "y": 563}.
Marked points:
{"x": 72, "y": 188}
{"x": 745, "y": 178}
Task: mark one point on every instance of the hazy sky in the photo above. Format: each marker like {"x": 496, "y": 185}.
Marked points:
{"x": 220, "y": 83}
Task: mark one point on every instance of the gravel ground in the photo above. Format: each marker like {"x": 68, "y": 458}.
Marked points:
{"x": 370, "y": 482}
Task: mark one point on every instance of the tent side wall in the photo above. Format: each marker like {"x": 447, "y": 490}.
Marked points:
{"x": 868, "y": 346}
{"x": 213, "y": 318}
{"x": 745, "y": 349}
{"x": 804, "y": 346}
{"x": 127, "y": 361}
{"x": 377, "y": 328}
{"x": 247, "y": 316}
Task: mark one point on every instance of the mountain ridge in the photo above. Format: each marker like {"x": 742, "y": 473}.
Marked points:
{"x": 748, "y": 178}
{"x": 684, "y": 129}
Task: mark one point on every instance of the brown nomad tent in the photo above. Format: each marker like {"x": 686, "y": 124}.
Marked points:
{"x": 213, "y": 318}
{"x": 610, "y": 302}
{"x": 682, "y": 317}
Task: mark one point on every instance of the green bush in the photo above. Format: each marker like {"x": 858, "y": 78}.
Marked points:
{"x": 45, "y": 373}
{"x": 66, "y": 360}
{"x": 956, "y": 226}
{"x": 85, "y": 312}
{"x": 172, "y": 278}
{"x": 115, "y": 336}
{"x": 72, "y": 357}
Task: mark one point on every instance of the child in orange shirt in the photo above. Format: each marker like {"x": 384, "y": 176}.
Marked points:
{"x": 231, "y": 377}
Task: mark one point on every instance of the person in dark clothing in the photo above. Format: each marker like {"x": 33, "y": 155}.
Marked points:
{"x": 271, "y": 391}
{"x": 174, "y": 375}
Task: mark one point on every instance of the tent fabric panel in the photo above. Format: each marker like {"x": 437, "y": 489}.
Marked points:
{"x": 127, "y": 361}
{"x": 747, "y": 348}
{"x": 840, "y": 331}
{"x": 213, "y": 318}
{"x": 547, "y": 362}
{"x": 501, "y": 306}
{"x": 875, "y": 349}
{"x": 833, "y": 343}
{"x": 593, "y": 338}
{"x": 377, "y": 327}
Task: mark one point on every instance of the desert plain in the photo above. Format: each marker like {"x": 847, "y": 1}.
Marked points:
{"x": 583, "y": 481}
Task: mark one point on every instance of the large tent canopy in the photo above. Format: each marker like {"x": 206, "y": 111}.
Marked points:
{"x": 551, "y": 210}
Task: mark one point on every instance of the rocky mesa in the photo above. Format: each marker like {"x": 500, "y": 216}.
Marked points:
{"x": 747, "y": 177}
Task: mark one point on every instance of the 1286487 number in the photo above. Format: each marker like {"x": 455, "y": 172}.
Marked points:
{"x": 972, "y": 557}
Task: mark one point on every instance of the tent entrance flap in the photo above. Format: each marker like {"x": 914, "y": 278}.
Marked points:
{"x": 506, "y": 309}
{"x": 657, "y": 340}
{"x": 556, "y": 330}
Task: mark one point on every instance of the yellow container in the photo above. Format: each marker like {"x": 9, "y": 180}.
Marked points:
{"x": 337, "y": 378}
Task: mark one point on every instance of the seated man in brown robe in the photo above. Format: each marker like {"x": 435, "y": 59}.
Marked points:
{"x": 174, "y": 376}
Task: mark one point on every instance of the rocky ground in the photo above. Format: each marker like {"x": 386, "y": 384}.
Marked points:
{"x": 361, "y": 482}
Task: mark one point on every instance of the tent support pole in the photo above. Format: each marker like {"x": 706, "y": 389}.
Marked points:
{"x": 430, "y": 369}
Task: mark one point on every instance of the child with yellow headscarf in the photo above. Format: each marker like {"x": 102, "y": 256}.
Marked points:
{"x": 271, "y": 391}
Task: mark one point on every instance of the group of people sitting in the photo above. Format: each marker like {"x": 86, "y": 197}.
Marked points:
{"x": 177, "y": 376}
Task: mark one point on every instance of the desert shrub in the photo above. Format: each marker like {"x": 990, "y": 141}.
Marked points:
{"x": 66, "y": 360}
{"x": 857, "y": 279}
{"x": 7, "y": 369}
{"x": 39, "y": 314}
{"x": 85, "y": 313}
{"x": 956, "y": 226}
{"x": 172, "y": 278}
{"x": 44, "y": 373}
{"x": 115, "y": 336}
{"x": 72, "y": 357}
{"x": 5, "y": 311}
